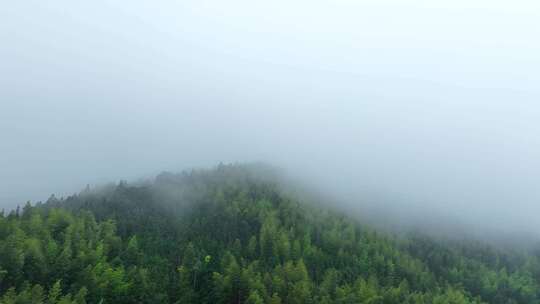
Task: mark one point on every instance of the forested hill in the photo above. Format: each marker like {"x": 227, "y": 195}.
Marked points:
{"x": 233, "y": 235}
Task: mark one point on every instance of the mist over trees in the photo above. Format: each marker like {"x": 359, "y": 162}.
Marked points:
{"x": 232, "y": 234}
{"x": 406, "y": 134}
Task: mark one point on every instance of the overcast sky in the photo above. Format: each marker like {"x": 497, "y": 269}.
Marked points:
{"x": 434, "y": 105}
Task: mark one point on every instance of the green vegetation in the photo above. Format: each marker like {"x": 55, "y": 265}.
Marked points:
{"x": 232, "y": 235}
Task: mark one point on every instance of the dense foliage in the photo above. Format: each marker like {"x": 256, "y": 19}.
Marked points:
{"x": 232, "y": 235}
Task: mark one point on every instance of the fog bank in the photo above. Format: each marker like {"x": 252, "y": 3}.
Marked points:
{"x": 421, "y": 110}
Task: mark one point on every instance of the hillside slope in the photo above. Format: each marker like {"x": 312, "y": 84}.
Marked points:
{"x": 233, "y": 235}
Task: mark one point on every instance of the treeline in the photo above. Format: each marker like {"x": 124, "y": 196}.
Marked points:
{"x": 232, "y": 235}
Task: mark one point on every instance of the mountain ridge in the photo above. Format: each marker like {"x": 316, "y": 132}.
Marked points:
{"x": 233, "y": 234}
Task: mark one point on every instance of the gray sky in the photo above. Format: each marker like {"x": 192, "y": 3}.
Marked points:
{"x": 430, "y": 105}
